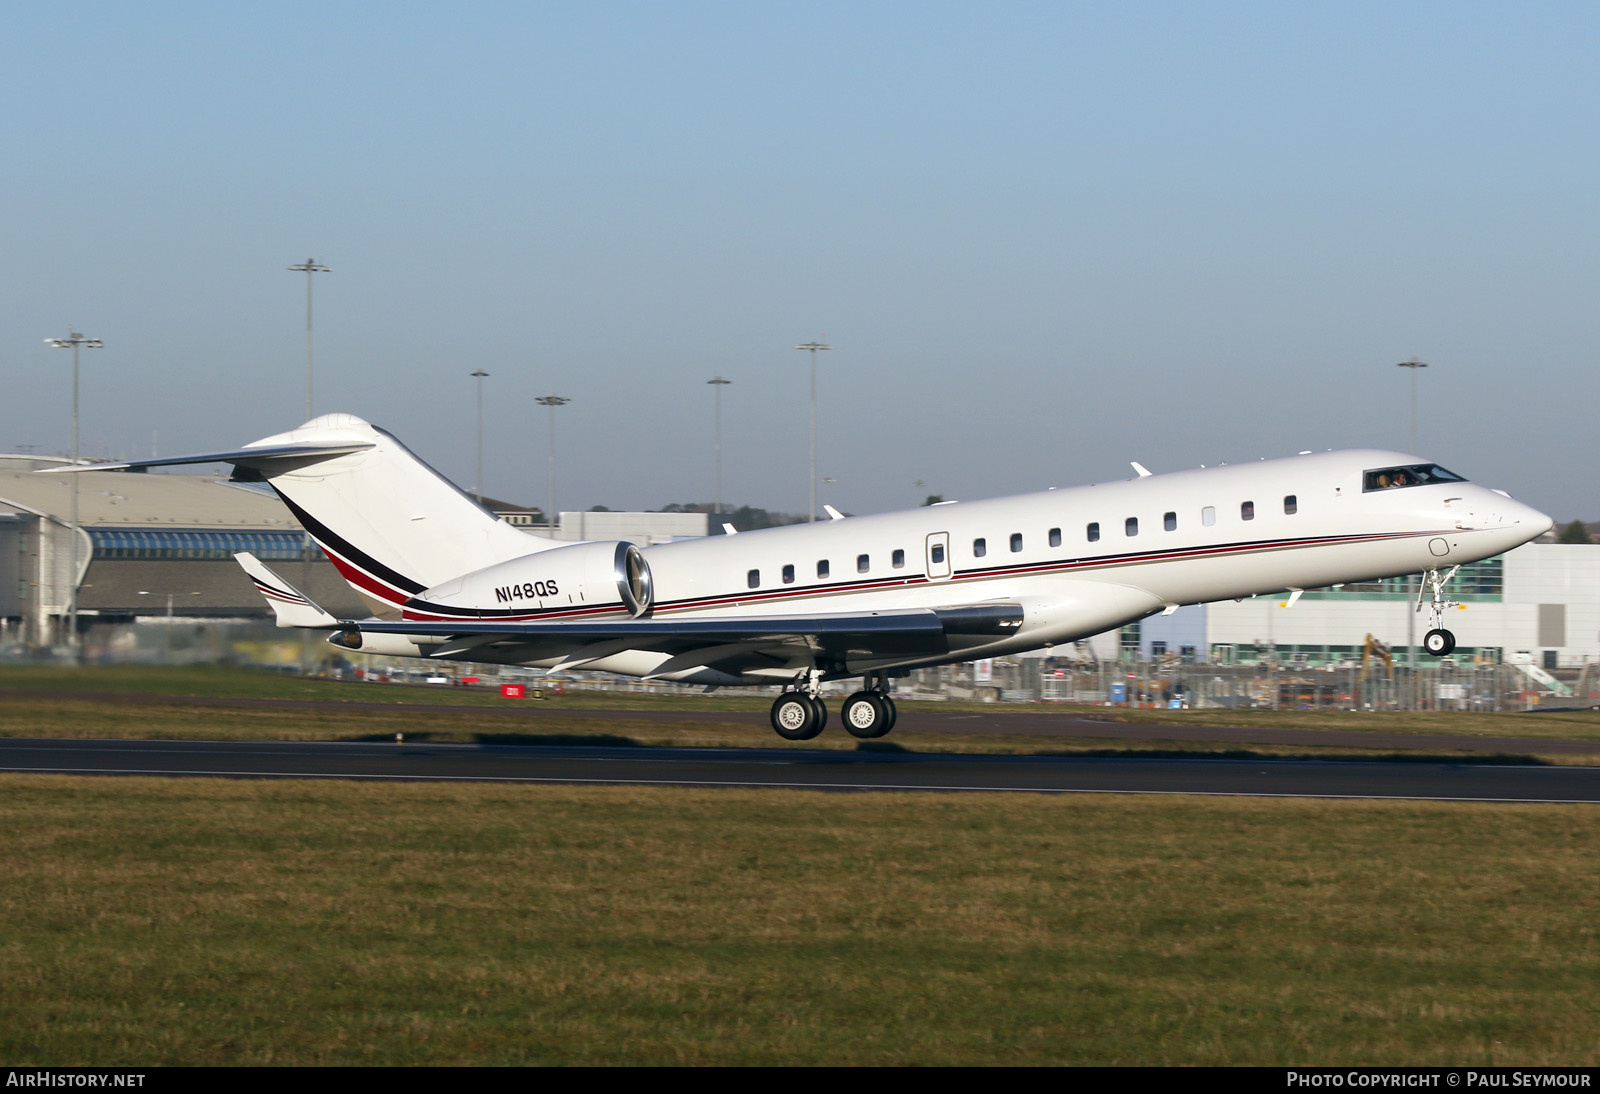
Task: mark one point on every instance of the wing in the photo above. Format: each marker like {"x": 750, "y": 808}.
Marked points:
{"x": 750, "y": 646}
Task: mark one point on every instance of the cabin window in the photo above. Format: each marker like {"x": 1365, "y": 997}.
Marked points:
{"x": 1094, "y": 531}
{"x": 753, "y": 579}
{"x": 822, "y": 569}
{"x": 1130, "y": 526}
{"x": 1208, "y": 515}
{"x": 898, "y": 559}
{"x": 1055, "y": 537}
{"x": 1016, "y": 542}
{"x": 937, "y": 554}
{"x": 980, "y": 547}
{"x": 1169, "y": 521}
{"x": 1291, "y": 504}
{"x": 1247, "y": 510}
{"x": 863, "y": 563}
{"x": 788, "y": 574}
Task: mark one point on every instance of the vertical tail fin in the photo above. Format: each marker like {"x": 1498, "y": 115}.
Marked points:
{"x": 392, "y": 525}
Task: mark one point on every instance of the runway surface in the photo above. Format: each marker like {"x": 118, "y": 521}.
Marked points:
{"x": 874, "y": 770}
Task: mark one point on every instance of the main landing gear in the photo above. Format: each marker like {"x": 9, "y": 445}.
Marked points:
{"x": 798, "y": 715}
{"x": 1438, "y": 641}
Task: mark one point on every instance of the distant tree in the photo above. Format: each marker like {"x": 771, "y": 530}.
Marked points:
{"x": 1574, "y": 533}
{"x": 599, "y": 509}
{"x": 748, "y": 518}
{"x": 934, "y": 499}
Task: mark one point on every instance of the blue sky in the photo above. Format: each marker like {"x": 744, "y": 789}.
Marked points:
{"x": 1044, "y": 239}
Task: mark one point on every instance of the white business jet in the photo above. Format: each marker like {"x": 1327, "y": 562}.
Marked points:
{"x": 871, "y": 596}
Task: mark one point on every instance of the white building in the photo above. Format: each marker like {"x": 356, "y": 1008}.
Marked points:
{"x": 1541, "y": 600}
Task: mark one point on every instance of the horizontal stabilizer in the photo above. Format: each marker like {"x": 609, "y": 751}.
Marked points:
{"x": 240, "y": 457}
{"x": 292, "y": 607}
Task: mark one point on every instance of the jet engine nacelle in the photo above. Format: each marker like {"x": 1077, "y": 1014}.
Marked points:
{"x": 602, "y": 575}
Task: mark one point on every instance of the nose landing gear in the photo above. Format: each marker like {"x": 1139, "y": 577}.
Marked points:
{"x": 1438, "y": 641}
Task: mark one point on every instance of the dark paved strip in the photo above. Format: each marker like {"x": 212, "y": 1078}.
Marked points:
{"x": 799, "y": 768}
{"x": 1031, "y": 723}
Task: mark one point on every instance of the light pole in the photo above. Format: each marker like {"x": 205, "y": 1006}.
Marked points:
{"x": 812, "y": 481}
{"x": 480, "y": 376}
{"x": 166, "y": 656}
{"x": 75, "y": 342}
{"x": 552, "y": 401}
{"x": 1413, "y": 365}
{"x": 308, "y": 267}
{"x": 718, "y": 383}
{"x": 1411, "y": 593}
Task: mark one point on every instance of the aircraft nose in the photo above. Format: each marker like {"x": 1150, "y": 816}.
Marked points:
{"x": 1527, "y": 521}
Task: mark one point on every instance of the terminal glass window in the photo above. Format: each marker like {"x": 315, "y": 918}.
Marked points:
{"x": 214, "y": 544}
{"x": 1418, "y": 474}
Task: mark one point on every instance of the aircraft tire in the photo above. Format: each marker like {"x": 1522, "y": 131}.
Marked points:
{"x": 797, "y": 717}
{"x": 1438, "y": 642}
{"x": 866, "y": 715}
{"x": 822, "y": 713}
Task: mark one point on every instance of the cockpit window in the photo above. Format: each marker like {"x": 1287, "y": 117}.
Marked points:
{"x": 1420, "y": 474}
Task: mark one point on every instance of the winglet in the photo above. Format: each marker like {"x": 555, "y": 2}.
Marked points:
{"x": 292, "y": 607}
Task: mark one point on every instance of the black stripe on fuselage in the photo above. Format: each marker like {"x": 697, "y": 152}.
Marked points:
{"x": 323, "y": 534}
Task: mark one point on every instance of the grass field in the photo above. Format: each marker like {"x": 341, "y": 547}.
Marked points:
{"x": 198, "y": 921}
{"x": 211, "y": 922}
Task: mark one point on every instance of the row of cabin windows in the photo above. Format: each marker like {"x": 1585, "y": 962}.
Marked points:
{"x": 897, "y": 559}
{"x": 980, "y": 546}
{"x": 1208, "y": 517}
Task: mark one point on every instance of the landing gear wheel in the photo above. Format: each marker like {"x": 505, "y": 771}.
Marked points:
{"x": 798, "y": 717}
{"x": 866, "y": 715}
{"x": 822, "y": 712}
{"x": 1439, "y": 642}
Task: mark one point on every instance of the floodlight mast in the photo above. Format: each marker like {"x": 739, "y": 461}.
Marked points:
{"x": 552, "y": 401}
{"x": 719, "y": 382}
{"x": 308, "y": 267}
{"x": 813, "y": 347}
{"x": 1411, "y": 595}
{"x": 480, "y": 376}
{"x": 75, "y": 342}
